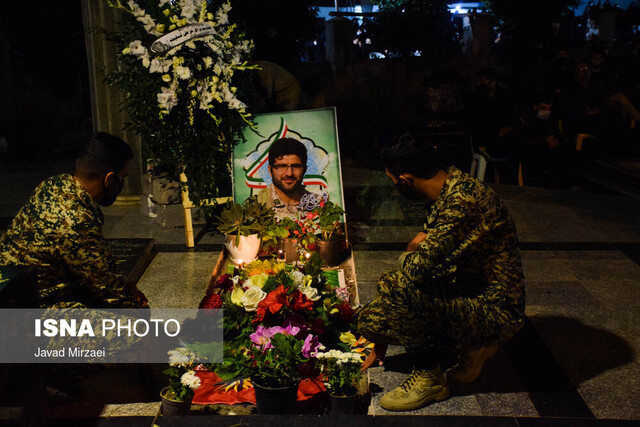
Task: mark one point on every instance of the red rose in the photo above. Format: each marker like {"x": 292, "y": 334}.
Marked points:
{"x": 274, "y": 300}
{"x": 300, "y": 301}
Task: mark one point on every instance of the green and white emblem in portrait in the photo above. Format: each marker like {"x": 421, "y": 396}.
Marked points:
{"x": 315, "y": 129}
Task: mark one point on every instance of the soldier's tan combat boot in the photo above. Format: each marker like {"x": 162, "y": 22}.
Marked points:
{"x": 421, "y": 388}
{"x": 470, "y": 365}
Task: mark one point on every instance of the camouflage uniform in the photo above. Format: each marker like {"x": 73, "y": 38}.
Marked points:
{"x": 59, "y": 230}
{"x": 269, "y": 197}
{"x": 464, "y": 283}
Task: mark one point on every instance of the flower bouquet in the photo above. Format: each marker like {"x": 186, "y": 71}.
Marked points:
{"x": 275, "y": 317}
{"x": 182, "y": 70}
{"x": 341, "y": 370}
{"x": 182, "y": 381}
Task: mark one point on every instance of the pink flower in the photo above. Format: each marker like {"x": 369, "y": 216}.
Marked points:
{"x": 262, "y": 338}
{"x": 310, "y": 346}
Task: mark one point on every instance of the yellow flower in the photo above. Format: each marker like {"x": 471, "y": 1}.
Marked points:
{"x": 160, "y": 28}
{"x": 307, "y": 281}
{"x": 194, "y": 93}
{"x": 236, "y": 295}
{"x": 182, "y": 22}
{"x": 258, "y": 280}
{"x": 166, "y": 78}
{"x": 209, "y": 16}
{"x": 172, "y": 27}
{"x": 348, "y": 338}
{"x": 166, "y": 12}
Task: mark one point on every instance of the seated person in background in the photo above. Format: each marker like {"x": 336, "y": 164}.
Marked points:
{"x": 490, "y": 120}
{"x": 286, "y": 194}
{"x": 59, "y": 231}
{"x": 460, "y": 283}
{"x": 540, "y": 136}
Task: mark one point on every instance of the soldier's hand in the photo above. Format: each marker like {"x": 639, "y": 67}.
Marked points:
{"x": 140, "y": 298}
{"x": 413, "y": 245}
{"x": 378, "y": 353}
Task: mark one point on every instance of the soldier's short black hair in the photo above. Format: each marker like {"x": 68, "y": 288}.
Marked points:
{"x": 103, "y": 153}
{"x": 286, "y": 146}
{"x": 414, "y": 155}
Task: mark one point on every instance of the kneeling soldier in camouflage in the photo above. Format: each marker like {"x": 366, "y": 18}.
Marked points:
{"x": 460, "y": 281}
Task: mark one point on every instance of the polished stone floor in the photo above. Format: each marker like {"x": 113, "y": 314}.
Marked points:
{"x": 577, "y": 358}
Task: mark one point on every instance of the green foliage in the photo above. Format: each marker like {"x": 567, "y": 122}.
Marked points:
{"x": 247, "y": 218}
{"x": 330, "y": 220}
{"x": 278, "y": 366}
{"x": 290, "y": 226}
{"x": 313, "y": 267}
{"x": 342, "y": 371}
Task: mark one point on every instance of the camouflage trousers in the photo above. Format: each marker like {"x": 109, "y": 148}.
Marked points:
{"x": 406, "y": 315}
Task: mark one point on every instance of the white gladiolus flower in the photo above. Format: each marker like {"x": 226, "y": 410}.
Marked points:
{"x": 167, "y": 99}
{"x": 188, "y": 8}
{"x": 205, "y": 100}
{"x": 190, "y": 379}
{"x": 155, "y": 66}
{"x": 221, "y": 17}
{"x": 208, "y": 62}
{"x": 136, "y": 48}
{"x": 252, "y": 298}
{"x": 184, "y": 73}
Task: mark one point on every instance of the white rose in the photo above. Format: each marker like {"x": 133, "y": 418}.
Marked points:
{"x": 297, "y": 277}
{"x": 311, "y": 293}
{"x": 252, "y": 298}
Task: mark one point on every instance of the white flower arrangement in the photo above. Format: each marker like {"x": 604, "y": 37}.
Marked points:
{"x": 190, "y": 379}
{"x": 341, "y": 370}
{"x": 181, "y": 357}
{"x": 207, "y": 75}
{"x": 182, "y": 376}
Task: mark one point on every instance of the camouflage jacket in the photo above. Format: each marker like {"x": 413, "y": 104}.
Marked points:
{"x": 59, "y": 230}
{"x": 471, "y": 249}
{"x": 307, "y": 203}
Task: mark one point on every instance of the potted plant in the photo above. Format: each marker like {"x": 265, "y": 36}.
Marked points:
{"x": 342, "y": 373}
{"x": 292, "y": 238}
{"x": 245, "y": 224}
{"x": 176, "y": 397}
{"x": 330, "y": 231}
{"x": 277, "y": 355}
